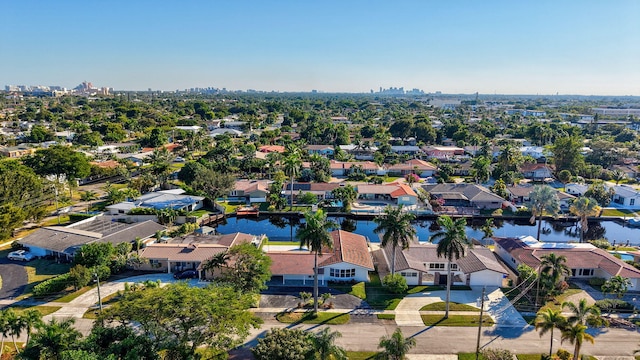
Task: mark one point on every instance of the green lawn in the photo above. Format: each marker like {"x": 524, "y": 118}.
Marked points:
{"x": 43, "y": 310}
{"x": 71, "y": 296}
{"x": 386, "y": 316}
{"x": 453, "y": 306}
{"x": 556, "y": 304}
{"x": 328, "y": 318}
{"x": 528, "y": 356}
{"x": 361, "y": 355}
{"x": 617, "y": 212}
{"x": 40, "y": 270}
{"x": 455, "y": 320}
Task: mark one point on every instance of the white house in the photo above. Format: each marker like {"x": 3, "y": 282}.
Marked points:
{"x": 400, "y": 194}
{"x": 420, "y": 265}
{"x": 585, "y": 260}
{"x": 625, "y": 196}
{"x": 535, "y": 152}
{"x": 576, "y": 189}
{"x": 349, "y": 260}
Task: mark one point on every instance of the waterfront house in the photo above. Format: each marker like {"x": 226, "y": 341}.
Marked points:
{"x": 159, "y": 200}
{"x": 576, "y": 189}
{"x": 349, "y": 260}
{"x": 414, "y": 166}
{"x": 322, "y": 191}
{"x": 585, "y": 260}
{"x": 397, "y": 194}
{"x": 250, "y": 191}
{"x": 625, "y": 197}
{"x": 443, "y": 152}
{"x": 420, "y": 265}
{"x": 341, "y": 168}
{"x": 536, "y": 172}
{"x": 322, "y": 150}
{"x": 465, "y": 195}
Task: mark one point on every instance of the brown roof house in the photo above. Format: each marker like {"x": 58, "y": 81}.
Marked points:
{"x": 350, "y": 260}
{"x": 251, "y": 191}
{"x": 465, "y": 195}
{"x": 414, "y": 166}
{"x": 585, "y": 260}
{"x": 191, "y": 251}
{"x": 420, "y": 265}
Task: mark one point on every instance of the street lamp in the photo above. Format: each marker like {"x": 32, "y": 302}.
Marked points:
{"x": 99, "y": 297}
{"x": 480, "y": 324}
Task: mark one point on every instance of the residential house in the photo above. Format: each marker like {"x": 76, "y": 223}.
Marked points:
{"x": 576, "y": 189}
{"x": 420, "y": 264}
{"x": 565, "y": 200}
{"x": 341, "y": 168}
{"x": 443, "y": 152}
{"x": 322, "y": 191}
{"x": 535, "y": 152}
{"x": 626, "y": 197}
{"x": 250, "y": 191}
{"x": 191, "y": 251}
{"x": 536, "y": 172}
{"x": 138, "y": 159}
{"x": 519, "y": 194}
{"x": 349, "y": 260}
{"x": 406, "y": 150}
{"x": 272, "y": 148}
{"x": 63, "y": 242}
{"x": 631, "y": 171}
{"x": 221, "y": 131}
{"x": 585, "y": 260}
{"x": 465, "y": 195}
{"x": 359, "y": 153}
{"x": 398, "y": 194}
{"x": 15, "y": 152}
{"x": 414, "y": 166}
{"x": 159, "y": 200}
{"x": 322, "y": 150}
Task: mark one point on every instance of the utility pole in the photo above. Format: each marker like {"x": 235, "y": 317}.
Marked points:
{"x": 55, "y": 189}
{"x": 480, "y": 324}
{"x": 99, "y": 297}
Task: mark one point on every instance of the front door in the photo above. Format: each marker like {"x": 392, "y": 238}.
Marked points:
{"x": 443, "y": 279}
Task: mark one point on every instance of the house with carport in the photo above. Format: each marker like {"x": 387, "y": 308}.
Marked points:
{"x": 419, "y": 264}
{"x": 584, "y": 260}
{"x": 349, "y": 260}
{"x": 394, "y": 193}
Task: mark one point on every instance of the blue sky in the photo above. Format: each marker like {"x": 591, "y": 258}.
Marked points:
{"x": 506, "y": 47}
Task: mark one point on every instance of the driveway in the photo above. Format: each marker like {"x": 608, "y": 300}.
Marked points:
{"x": 14, "y": 279}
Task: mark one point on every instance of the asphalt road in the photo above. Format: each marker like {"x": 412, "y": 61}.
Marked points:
{"x": 14, "y": 278}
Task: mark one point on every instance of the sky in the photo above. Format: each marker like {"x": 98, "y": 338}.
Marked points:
{"x": 581, "y": 47}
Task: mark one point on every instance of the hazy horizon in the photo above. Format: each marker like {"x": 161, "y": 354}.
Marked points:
{"x": 493, "y": 47}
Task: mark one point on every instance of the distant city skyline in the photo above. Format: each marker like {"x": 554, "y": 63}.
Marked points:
{"x": 505, "y": 47}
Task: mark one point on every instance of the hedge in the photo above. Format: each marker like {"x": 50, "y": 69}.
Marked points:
{"x": 53, "y": 285}
{"x": 609, "y": 305}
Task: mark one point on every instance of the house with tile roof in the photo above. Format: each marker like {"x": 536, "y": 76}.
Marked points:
{"x": 191, "y": 251}
{"x": 419, "y": 264}
{"x": 349, "y": 260}
{"x": 342, "y": 168}
{"x": 63, "y": 242}
{"x": 465, "y": 195}
{"x": 322, "y": 150}
{"x": 625, "y": 196}
{"x": 322, "y": 191}
{"x": 414, "y": 166}
{"x": 443, "y": 152}
{"x": 251, "y": 191}
{"x": 536, "y": 172}
{"x": 398, "y": 194}
{"x": 585, "y": 260}
{"x": 271, "y": 148}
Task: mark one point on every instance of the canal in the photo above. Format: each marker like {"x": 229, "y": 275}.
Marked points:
{"x": 280, "y": 228}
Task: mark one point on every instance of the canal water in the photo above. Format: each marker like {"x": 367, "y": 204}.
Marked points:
{"x": 280, "y": 229}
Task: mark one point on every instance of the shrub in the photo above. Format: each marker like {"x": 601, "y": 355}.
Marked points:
{"x": 614, "y": 304}
{"x": 602, "y": 244}
{"x": 395, "y": 283}
{"x": 564, "y": 354}
{"x": 103, "y": 272}
{"x": 79, "y": 276}
{"x": 497, "y": 212}
{"x": 597, "y": 282}
{"x": 497, "y": 354}
{"x": 53, "y": 285}
{"x": 523, "y": 212}
{"x": 142, "y": 211}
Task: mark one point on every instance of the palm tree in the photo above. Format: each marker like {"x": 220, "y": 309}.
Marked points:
{"x": 325, "y": 347}
{"x": 396, "y": 346}
{"x": 314, "y": 235}
{"x": 397, "y": 229}
{"x": 15, "y": 324}
{"x": 217, "y": 261}
{"x": 548, "y": 321}
{"x": 543, "y": 198}
{"x": 32, "y": 319}
{"x": 583, "y": 313}
{"x": 584, "y": 207}
{"x": 292, "y": 164}
{"x": 452, "y": 243}
{"x": 554, "y": 266}
{"x": 88, "y": 196}
{"x": 487, "y": 228}
{"x": 576, "y": 334}
{"x": 4, "y": 327}
{"x": 52, "y": 339}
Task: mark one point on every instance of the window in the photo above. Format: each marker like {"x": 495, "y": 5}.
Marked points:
{"x": 436, "y": 266}
{"x": 342, "y": 273}
{"x": 585, "y": 272}
{"x": 454, "y": 266}
{"x": 632, "y": 201}
{"x": 409, "y": 274}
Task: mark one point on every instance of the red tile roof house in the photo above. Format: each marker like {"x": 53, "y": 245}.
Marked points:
{"x": 422, "y": 168}
{"x": 399, "y": 194}
{"x": 420, "y": 265}
{"x": 536, "y": 171}
{"x": 442, "y": 152}
{"x": 272, "y": 148}
{"x": 350, "y": 260}
{"x": 585, "y": 260}
{"x": 250, "y": 191}
{"x": 339, "y": 168}
{"x": 191, "y": 251}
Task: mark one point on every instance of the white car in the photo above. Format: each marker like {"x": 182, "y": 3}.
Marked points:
{"x": 21, "y": 255}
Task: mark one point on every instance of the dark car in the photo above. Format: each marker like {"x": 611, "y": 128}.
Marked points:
{"x": 186, "y": 274}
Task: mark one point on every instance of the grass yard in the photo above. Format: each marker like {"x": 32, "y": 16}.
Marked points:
{"x": 230, "y": 207}
{"x": 456, "y": 320}
{"x": 528, "y": 356}
{"x": 362, "y": 355}
{"x": 73, "y": 295}
{"x": 556, "y": 304}
{"x": 40, "y": 270}
{"x": 64, "y": 219}
{"x": 386, "y": 316}
{"x": 453, "y": 306}
{"x": 43, "y": 310}
{"x": 328, "y": 318}
{"x": 617, "y": 212}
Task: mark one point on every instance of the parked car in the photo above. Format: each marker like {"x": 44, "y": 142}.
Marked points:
{"x": 21, "y": 255}
{"x": 186, "y": 274}
{"x": 179, "y": 159}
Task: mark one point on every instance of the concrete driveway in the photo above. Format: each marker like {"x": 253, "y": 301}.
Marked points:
{"x": 496, "y": 305}
{"x": 14, "y": 278}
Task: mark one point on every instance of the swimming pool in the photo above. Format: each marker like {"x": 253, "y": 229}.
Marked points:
{"x": 374, "y": 203}
{"x": 623, "y": 256}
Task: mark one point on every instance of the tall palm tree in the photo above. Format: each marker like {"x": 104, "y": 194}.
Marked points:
{"x": 292, "y": 164}
{"x": 325, "y": 347}
{"x": 4, "y": 328}
{"x": 554, "y": 267}
{"x": 314, "y": 235}
{"x": 396, "y": 346}
{"x": 217, "y": 261}
{"x": 576, "y": 334}
{"x": 88, "y": 196}
{"x": 548, "y": 321}
{"x": 397, "y": 229}
{"x": 583, "y": 313}
{"x": 16, "y": 325}
{"x": 32, "y": 319}
{"x": 543, "y": 199}
{"x": 452, "y": 243}
{"x": 52, "y": 339}
{"x": 584, "y": 207}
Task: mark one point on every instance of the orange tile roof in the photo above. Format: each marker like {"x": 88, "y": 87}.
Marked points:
{"x": 271, "y": 148}
{"x": 403, "y": 190}
{"x": 350, "y": 248}
{"x": 107, "y": 164}
{"x": 291, "y": 263}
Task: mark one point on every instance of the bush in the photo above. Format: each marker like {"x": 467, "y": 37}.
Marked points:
{"x": 497, "y": 212}
{"x": 103, "y": 272}
{"x": 609, "y": 305}
{"x": 602, "y": 244}
{"x": 523, "y": 212}
{"x": 564, "y": 354}
{"x": 53, "y": 285}
{"x": 80, "y": 276}
{"x": 395, "y": 283}
{"x": 497, "y": 354}
{"x": 596, "y": 282}
{"x": 142, "y": 211}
